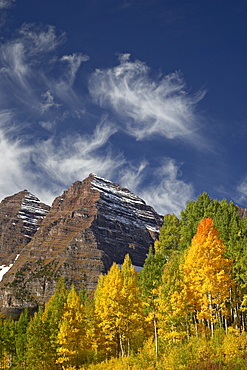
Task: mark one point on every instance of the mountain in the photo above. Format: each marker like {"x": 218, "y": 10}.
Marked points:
{"x": 242, "y": 212}
{"x": 91, "y": 225}
{"x": 21, "y": 216}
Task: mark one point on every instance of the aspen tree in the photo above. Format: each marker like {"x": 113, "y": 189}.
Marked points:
{"x": 71, "y": 335}
{"x": 108, "y": 303}
{"x": 169, "y": 236}
{"x": 132, "y": 311}
{"x": 118, "y": 308}
{"x": 207, "y": 274}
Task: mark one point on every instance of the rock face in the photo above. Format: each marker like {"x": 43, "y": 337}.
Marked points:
{"x": 93, "y": 224}
{"x": 20, "y": 217}
{"x": 242, "y": 212}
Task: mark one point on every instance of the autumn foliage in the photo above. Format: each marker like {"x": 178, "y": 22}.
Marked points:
{"x": 186, "y": 309}
{"x": 206, "y": 275}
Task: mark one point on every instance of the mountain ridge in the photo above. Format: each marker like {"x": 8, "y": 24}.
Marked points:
{"x": 91, "y": 225}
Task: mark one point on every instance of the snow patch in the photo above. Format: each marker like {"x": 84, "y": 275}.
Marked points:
{"x": 31, "y": 211}
{"x": 124, "y": 206}
{"x": 4, "y": 269}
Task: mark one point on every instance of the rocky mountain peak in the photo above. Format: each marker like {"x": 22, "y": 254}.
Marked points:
{"x": 91, "y": 225}
{"x": 20, "y": 217}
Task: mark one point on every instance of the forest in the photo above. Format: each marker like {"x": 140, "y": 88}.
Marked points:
{"x": 186, "y": 309}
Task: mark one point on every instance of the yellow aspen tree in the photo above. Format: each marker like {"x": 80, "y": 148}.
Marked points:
{"x": 118, "y": 309}
{"x": 132, "y": 309}
{"x": 71, "y": 335}
{"x": 107, "y": 307}
{"x": 206, "y": 275}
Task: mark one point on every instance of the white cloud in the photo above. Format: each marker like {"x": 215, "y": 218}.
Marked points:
{"x": 48, "y": 125}
{"x": 48, "y": 102}
{"x": 241, "y": 196}
{"x": 40, "y": 39}
{"x": 4, "y": 4}
{"x": 48, "y": 167}
{"x": 36, "y": 96}
{"x": 33, "y": 77}
{"x": 147, "y": 106}
{"x": 14, "y": 67}
{"x": 63, "y": 86}
{"x": 131, "y": 177}
{"x": 76, "y": 156}
{"x": 12, "y": 163}
{"x": 74, "y": 61}
{"x": 22, "y": 63}
{"x": 167, "y": 193}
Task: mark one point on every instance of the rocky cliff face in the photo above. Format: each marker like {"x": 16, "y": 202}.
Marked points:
{"x": 242, "y": 212}
{"x": 20, "y": 217}
{"x": 93, "y": 224}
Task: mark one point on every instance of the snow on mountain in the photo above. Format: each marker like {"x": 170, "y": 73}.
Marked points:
{"x": 31, "y": 212}
{"x": 124, "y": 206}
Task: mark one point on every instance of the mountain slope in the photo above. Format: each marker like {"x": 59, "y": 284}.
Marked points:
{"x": 93, "y": 224}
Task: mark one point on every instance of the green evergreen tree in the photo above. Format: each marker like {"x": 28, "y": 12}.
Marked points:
{"x": 9, "y": 334}
{"x": 21, "y": 340}
{"x": 38, "y": 344}
{"x": 52, "y": 316}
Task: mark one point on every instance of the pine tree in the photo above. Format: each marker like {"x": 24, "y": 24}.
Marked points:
{"x": 38, "y": 343}
{"x": 172, "y": 310}
{"x": 52, "y": 317}
{"x": 21, "y": 339}
{"x": 9, "y": 334}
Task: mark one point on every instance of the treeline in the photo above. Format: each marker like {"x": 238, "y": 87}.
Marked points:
{"x": 186, "y": 309}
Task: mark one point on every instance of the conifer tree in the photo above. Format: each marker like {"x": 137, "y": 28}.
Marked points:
{"x": 9, "y": 334}
{"x": 38, "y": 343}
{"x": 21, "y": 339}
{"x": 52, "y": 316}
{"x": 150, "y": 277}
{"x": 172, "y": 311}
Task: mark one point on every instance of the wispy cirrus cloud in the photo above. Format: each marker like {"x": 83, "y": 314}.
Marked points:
{"x": 74, "y": 62}
{"x": 37, "y": 93}
{"x": 169, "y": 193}
{"x": 241, "y": 191}
{"x": 63, "y": 86}
{"x": 5, "y": 4}
{"x": 48, "y": 102}
{"x": 47, "y": 167}
{"x": 166, "y": 192}
{"x": 147, "y": 106}
{"x": 22, "y": 63}
{"x": 73, "y": 157}
{"x": 27, "y": 66}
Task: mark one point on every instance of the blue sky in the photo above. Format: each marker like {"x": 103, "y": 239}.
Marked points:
{"x": 150, "y": 94}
